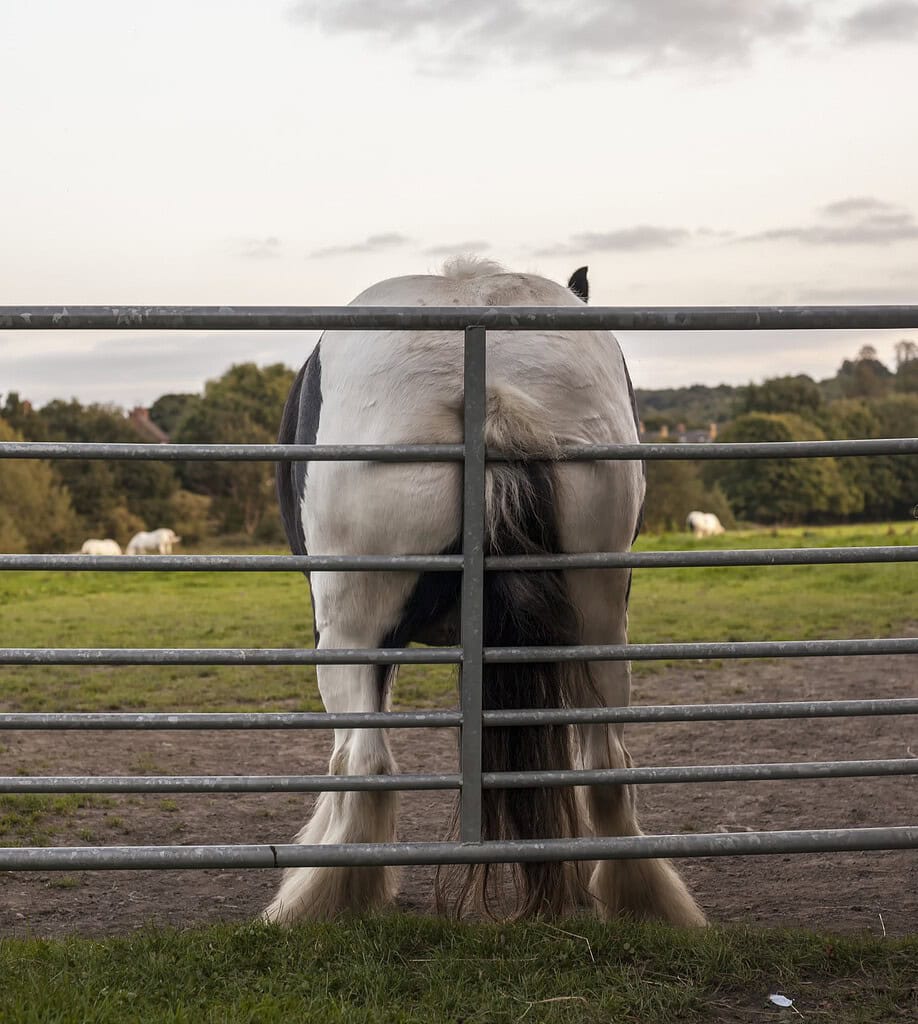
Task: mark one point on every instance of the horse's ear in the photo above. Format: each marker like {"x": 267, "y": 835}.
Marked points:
{"x": 579, "y": 284}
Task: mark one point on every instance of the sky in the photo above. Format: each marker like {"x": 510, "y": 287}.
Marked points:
{"x": 691, "y": 152}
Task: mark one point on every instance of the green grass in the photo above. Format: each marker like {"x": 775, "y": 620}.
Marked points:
{"x": 398, "y": 969}
{"x": 776, "y": 602}
{"x": 82, "y": 609}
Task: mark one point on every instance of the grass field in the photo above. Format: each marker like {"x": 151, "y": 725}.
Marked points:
{"x": 83, "y": 609}
{"x": 397, "y": 968}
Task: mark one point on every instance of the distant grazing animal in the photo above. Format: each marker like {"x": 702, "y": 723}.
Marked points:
{"x": 100, "y": 547}
{"x": 545, "y": 389}
{"x": 157, "y": 542}
{"x": 703, "y": 524}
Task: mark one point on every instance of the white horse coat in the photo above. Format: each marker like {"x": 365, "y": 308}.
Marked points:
{"x": 100, "y": 547}
{"x": 156, "y": 542}
{"x": 545, "y": 389}
{"x": 703, "y": 524}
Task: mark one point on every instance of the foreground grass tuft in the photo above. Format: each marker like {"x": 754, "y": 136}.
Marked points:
{"x": 399, "y": 969}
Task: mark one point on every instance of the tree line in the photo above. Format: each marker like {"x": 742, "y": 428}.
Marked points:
{"x": 864, "y": 399}
{"x": 53, "y": 506}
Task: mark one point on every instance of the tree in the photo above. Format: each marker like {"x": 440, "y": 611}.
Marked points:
{"x": 854, "y": 418}
{"x": 242, "y": 406}
{"x": 112, "y": 498}
{"x": 19, "y": 414}
{"x": 168, "y": 411}
{"x": 798, "y": 394}
{"x": 906, "y": 352}
{"x": 190, "y": 516}
{"x": 695, "y": 406}
{"x": 896, "y": 491}
{"x": 782, "y": 490}
{"x": 865, "y": 376}
{"x": 675, "y": 488}
{"x": 35, "y": 509}
{"x": 907, "y": 366}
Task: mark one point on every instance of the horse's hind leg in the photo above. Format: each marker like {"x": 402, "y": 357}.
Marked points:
{"x": 637, "y": 888}
{"x": 352, "y": 817}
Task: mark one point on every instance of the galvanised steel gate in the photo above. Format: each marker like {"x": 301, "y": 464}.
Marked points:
{"x": 470, "y": 655}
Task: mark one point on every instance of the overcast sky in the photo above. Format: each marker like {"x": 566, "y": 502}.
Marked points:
{"x": 270, "y": 151}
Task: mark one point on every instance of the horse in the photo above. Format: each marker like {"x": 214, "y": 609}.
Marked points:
{"x": 703, "y": 524}
{"x": 545, "y": 389}
{"x": 156, "y": 542}
{"x": 100, "y": 547}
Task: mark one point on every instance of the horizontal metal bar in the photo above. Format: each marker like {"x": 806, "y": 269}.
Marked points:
{"x": 490, "y": 780}
{"x": 449, "y": 452}
{"x": 450, "y": 655}
{"x": 687, "y": 559}
{"x": 703, "y": 773}
{"x": 288, "y": 855}
{"x": 225, "y": 783}
{"x": 690, "y": 651}
{"x": 231, "y": 452}
{"x": 453, "y": 563}
{"x": 744, "y": 449}
{"x": 121, "y": 720}
{"x": 226, "y": 656}
{"x": 233, "y": 563}
{"x": 451, "y": 719}
{"x": 702, "y": 712}
{"x": 457, "y": 318}
{"x": 188, "y": 720}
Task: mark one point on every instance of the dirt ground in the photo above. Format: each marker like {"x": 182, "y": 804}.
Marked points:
{"x": 877, "y": 892}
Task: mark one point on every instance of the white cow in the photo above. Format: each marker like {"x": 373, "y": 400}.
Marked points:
{"x": 100, "y": 547}
{"x": 157, "y": 542}
{"x": 703, "y": 524}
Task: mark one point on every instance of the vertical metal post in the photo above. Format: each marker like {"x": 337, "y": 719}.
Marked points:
{"x": 472, "y": 613}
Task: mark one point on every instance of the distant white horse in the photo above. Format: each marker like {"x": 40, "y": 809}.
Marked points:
{"x": 100, "y": 547}
{"x": 703, "y": 524}
{"x": 545, "y": 389}
{"x": 157, "y": 542}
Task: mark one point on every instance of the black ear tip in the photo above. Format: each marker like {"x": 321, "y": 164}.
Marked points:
{"x": 579, "y": 284}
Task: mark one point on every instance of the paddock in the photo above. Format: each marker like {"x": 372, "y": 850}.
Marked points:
{"x": 713, "y": 831}
{"x": 782, "y": 891}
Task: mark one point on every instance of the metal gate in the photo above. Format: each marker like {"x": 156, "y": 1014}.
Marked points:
{"x": 471, "y": 655}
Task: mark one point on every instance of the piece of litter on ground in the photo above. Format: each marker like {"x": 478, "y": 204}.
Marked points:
{"x": 780, "y": 1000}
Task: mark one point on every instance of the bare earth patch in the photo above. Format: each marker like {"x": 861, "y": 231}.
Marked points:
{"x": 877, "y": 892}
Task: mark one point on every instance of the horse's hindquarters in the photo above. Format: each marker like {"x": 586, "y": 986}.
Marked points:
{"x": 545, "y": 389}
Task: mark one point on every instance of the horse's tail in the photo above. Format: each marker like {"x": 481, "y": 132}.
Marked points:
{"x": 526, "y": 608}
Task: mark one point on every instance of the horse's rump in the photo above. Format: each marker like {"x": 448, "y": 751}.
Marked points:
{"x": 544, "y": 389}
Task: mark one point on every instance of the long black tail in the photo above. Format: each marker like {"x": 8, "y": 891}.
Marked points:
{"x": 527, "y": 609}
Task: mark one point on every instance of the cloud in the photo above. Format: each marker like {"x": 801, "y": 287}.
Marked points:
{"x": 894, "y": 21}
{"x": 374, "y": 243}
{"x": 643, "y": 236}
{"x": 856, "y": 204}
{"x": 639, "y": 238}
{"x": 860, "y": 220}
{"x": 457, "y": 247}
{"x": 634, "y": 32}
{"x": 268, "y": 248}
